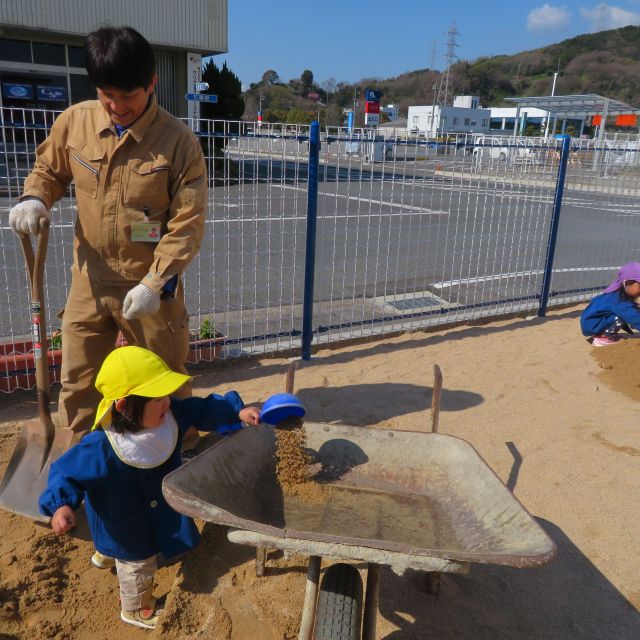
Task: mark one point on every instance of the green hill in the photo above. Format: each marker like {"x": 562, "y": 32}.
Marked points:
{"x": 607, "y": 63}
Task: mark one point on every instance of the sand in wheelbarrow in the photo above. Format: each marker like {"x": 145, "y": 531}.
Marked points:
{"x": 292, "y": 463}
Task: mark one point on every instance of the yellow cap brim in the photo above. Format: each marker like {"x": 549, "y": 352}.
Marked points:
{"x": 164, "y": 385}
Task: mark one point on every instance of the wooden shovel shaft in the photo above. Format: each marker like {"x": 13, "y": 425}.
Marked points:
{"x": 35, "y": 271}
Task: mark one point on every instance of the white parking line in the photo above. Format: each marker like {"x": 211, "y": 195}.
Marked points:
{"x": 516, "y": 274}
{"x": 405, "y": 208}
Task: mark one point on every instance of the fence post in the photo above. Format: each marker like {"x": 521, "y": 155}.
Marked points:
{"x": 553, "y": 231}
{"x": 310, "y": 254}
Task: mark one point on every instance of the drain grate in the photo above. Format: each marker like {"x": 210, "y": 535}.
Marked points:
{"x": 417, "y": 301}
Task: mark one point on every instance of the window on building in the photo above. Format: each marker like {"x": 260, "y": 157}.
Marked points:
{"x": 81, "y": 88}
{"x": 456, "y": 121}
{"x": 485, "y": 123}
{"x": 416, "y": 119}
{"x": 467, "y": 121}
{"x": 473, "y": 123}
{"x": 49, "y": 54}
{"x": 76, "y": 56}
{"x": 15, "y": 50}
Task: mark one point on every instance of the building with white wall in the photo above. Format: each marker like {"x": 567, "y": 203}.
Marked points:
{"x": 503, "y": 118}
{"x": 41, "y": 43}
{"x": 465, "y": 116}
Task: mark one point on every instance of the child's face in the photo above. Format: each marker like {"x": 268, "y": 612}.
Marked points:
{"x": 154, "y": 412}
{"x": 632, "y": 289}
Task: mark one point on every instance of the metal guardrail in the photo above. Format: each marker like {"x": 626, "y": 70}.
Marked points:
{"x": 312, "y": 240}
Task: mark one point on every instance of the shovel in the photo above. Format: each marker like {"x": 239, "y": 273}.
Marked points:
{"x": 39, "y": 443}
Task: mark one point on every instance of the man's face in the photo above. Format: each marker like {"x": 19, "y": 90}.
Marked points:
{"x": 125, "y": 107}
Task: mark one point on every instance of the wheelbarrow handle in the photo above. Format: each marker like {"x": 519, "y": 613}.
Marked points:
{"x": 35, "y": 264}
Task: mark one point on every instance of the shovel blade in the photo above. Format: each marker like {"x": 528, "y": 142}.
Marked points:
{"x": 26, "y": 475}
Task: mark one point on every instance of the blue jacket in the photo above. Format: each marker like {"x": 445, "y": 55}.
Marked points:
{"x": 601, "y": 313}
{"x": 127, "y": 514}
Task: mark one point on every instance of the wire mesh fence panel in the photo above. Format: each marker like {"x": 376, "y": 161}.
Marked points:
{"x": 247, "y": 280}
{"x": 600, "y": 220}
{"x": 22, "y": 130}
{"x": 419, "y": 232}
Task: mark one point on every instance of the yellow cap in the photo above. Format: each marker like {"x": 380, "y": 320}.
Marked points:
{"x": 134, "y": 371}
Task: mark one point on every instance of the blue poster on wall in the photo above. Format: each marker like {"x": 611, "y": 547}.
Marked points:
{"x": 17, "y": 90}
{"x": 52, "y": 94}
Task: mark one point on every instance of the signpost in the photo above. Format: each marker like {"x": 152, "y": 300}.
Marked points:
{"x": 201, "y": 97}
{"x": 372, "y": 108}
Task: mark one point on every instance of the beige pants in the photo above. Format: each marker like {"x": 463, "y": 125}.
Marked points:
{"x": 90, "y": 325}
{"x": 136, "y": 583}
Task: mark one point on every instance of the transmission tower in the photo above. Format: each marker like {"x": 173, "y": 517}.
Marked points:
{"x": 452, "y": 44}
{"x": 434, "y": 54}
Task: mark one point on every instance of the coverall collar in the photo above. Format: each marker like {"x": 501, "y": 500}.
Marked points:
{"x": 138, "y": 128}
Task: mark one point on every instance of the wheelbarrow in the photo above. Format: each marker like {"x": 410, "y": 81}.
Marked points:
{"x": 39, "y": 442}
{"x": 409, "y": 500}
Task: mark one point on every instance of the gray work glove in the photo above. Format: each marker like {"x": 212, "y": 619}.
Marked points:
{"x": 25, "y": 217}
{"x": 140, "y": 301}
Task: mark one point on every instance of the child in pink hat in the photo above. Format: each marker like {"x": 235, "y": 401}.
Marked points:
{"x": 614, "y": 309}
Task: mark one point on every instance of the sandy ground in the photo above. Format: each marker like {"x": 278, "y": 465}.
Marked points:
{"x": 555, "y": 418}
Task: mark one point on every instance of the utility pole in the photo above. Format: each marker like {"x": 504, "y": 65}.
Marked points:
{"x": 553, "y": 93}
{"x": 355, "y": 104}
{"x": 433, "y": 111}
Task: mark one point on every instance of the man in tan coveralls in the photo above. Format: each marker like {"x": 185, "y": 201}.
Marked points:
{"x": 141, "y": 189}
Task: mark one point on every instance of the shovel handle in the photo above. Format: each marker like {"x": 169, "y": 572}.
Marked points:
{"x": 35, "y": 272}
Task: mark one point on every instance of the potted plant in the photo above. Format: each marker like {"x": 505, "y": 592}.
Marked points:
{"x": 206, "y": 343}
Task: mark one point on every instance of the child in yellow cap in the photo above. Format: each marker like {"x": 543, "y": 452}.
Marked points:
{"x": 118, "y": 468}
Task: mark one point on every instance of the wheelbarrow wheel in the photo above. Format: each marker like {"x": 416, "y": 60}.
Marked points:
{"x": 339, "y": 607}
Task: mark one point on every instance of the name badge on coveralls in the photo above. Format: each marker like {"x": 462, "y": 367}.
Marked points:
{"x": 145, "y": 232}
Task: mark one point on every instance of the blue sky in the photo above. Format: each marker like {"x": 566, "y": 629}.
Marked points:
{"x": 349, "y": 40}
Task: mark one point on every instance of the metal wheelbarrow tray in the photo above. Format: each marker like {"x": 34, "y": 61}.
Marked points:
{"x": 406, "y": 499}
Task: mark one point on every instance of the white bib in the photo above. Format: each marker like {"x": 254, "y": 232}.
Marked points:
{"x": 147, "y": 448}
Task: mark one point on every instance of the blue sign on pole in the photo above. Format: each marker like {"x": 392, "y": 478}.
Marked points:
{"x": 201, "y": 97}
{"x": 350, "y": 121}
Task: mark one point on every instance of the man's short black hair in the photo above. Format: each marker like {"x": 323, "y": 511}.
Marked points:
{"x": 119, "y": 57}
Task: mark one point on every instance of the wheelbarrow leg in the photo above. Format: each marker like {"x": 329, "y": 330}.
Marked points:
{"x": 371, "y": 602}
{"x": 261, "y": 561}
{"x": 432, "y": 582}
{"x": 310, "y": 598}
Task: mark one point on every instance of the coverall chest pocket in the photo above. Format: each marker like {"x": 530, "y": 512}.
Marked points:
{"x": 85, "y": 167}
{"x": 147, "y": 187}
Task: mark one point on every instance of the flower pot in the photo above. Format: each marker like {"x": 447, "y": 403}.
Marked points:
{"x": 207, "y": 350}
{"x": 18, "y": 367}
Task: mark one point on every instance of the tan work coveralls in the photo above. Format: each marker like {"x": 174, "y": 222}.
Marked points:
{"x": 155, "y": 172}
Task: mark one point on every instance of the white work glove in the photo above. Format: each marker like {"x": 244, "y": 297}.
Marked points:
{"x": 25, "y": 217}
{"x": 140, "y": 301}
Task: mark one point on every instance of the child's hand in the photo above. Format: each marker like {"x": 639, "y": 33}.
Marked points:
{"x": 250, "y": 415}
{"x": 63, "y": 519}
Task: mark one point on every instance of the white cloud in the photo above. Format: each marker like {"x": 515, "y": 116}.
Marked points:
{"x": 604, "y": 16}
{"x": 547, "y": 18}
